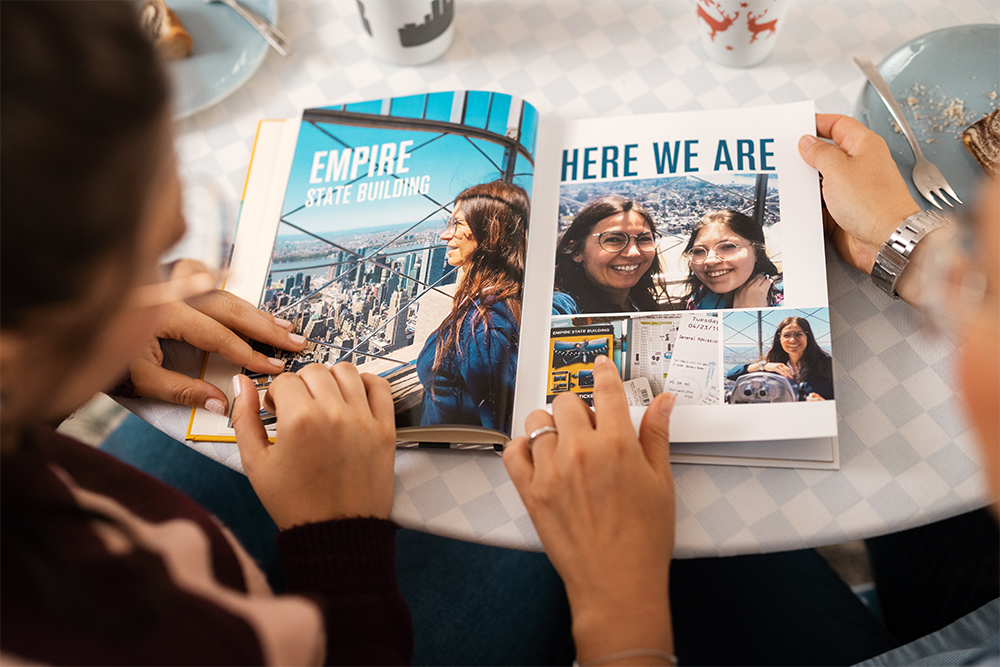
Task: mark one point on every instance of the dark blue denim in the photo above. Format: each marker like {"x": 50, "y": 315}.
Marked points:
{"x": 480, "y": 605}
{"x": 471, "y": 604}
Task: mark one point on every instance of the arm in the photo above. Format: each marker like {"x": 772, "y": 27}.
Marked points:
{"x": 489, "y": 366}
{"x": 212, "y": 322}
{"x": 327, "y": 481}
{"x": 602, "y": 501}
{"x": 756, "y": 366}
{"x": 866, "y": 198}
{"x": 348, "y": 567}
{"x": 738, "y": 372}
{"x": 772, "y": 367}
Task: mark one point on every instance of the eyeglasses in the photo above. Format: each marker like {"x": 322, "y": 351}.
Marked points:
{"x": 451, "y": 227}
{"x": 197, "y": 263}
{"x": 618, "y": 241}
{"x": 724, "y": 251}
{"x": 953, "y": 289}
{"x": 792, "y": 335}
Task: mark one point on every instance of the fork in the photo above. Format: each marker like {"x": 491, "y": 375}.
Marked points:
{"x": 273, "y": 36}
{"x": 926, "y": 176}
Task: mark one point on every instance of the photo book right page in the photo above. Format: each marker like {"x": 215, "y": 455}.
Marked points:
{"x": 693, "y": 242}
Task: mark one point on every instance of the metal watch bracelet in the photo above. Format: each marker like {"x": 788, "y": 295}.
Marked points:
{"x": 895, "y": 253}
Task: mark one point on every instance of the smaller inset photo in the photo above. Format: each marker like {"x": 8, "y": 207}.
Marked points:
{"x": 777, "y": 356}
{"x": 572, "y": 351}
{"x": 679, "y": 353}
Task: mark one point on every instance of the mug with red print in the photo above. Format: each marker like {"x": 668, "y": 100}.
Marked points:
{"x": 740, "y": 33}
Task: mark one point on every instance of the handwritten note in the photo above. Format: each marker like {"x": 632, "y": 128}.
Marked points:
{"x": 694, "y": 370}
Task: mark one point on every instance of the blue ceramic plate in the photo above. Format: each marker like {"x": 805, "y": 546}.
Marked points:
{"x": 926, "y": 76}
{"x": 227, "y": 52}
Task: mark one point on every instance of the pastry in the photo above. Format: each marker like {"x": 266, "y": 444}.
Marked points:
{"x": 162, "y": 24}
{"x": 982, "y": 138}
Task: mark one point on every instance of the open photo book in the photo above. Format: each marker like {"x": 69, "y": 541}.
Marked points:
{"x": 480, "y": 258}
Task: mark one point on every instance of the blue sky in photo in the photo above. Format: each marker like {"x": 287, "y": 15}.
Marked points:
{"x": 745, "y": 321}
{"x": 451, "y": 162}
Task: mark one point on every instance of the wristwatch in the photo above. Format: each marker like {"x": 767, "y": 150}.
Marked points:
{"x": 895, "y": 253}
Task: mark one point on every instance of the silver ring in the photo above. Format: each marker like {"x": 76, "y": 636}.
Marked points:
{"x": 539, "y": 432}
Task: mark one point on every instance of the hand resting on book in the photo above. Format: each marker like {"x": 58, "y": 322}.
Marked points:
{"x": 602, "y": 501}
{"x": 333, "y": 456}
{"x": 212, "y": 322}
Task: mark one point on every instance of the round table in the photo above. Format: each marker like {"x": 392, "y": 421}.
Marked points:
{"x": 907, "y": 455}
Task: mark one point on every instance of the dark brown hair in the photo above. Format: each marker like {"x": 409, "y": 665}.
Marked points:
{"x": 742, "y": 225}
{"x": 497, "y": 214}
{"x": 82, "y": 115}
{"x": 571, "y": 278}
{"x": 82, "y": 89}
{"x": 815, "y": 361}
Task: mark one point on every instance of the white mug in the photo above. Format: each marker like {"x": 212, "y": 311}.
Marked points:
{"x": 407, "y": 32}
{"x": 740, "y": 33}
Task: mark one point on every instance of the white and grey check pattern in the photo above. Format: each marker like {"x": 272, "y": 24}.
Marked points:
{"x": 907, "y": 455}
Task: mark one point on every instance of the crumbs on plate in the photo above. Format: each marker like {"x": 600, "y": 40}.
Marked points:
{"x": 933, "y": 113}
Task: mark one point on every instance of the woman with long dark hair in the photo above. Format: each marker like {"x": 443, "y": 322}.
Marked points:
{"x": 101, "y": 563}
{"x": 796, "y": 355}
{"x": 606, "y": 260}
{"x": 467, "y": 365}
{"x": 728, "y": 264}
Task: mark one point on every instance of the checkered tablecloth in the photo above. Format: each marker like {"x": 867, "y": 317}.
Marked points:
{"x": 908, "y": 457}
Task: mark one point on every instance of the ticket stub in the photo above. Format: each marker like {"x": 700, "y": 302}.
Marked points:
{"x": 638, "y": 392}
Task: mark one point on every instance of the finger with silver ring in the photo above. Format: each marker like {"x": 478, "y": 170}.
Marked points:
{"x": 537, "y": 419}
{"x": 539, "y": 432}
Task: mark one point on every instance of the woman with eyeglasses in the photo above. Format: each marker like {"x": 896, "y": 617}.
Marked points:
{"x": 796, "y": 355}
{"x": 728, "y": 264}
{"x": 101, "y": 563}
{"x": 606, "y": 260}
{"x": 467, "y": 366}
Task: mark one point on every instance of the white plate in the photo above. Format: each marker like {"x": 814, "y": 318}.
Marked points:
{"x": 932, "y": 70}
{"x": 227, "y": 52}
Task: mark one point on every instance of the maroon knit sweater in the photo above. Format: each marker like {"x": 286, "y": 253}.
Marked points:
{"x": 103, "y": 564}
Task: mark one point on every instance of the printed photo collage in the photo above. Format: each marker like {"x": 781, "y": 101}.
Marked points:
{"x": 679, "y": 281}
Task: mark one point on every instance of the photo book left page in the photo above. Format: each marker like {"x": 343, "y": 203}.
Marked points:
{"x": 386, "y": 232}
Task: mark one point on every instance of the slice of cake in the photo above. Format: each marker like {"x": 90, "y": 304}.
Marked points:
{"x": 982, "y": 138}
{"x": 164, "y": 27}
